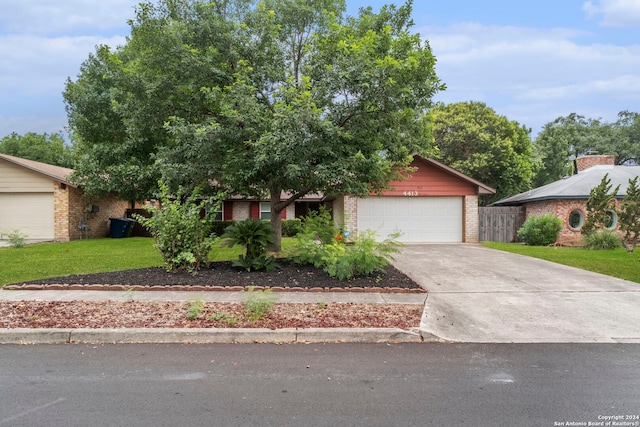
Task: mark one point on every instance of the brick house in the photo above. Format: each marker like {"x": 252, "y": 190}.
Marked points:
{"x": 567, "y": 197}
{"x": 38, "y": 200}
{"x": 435, "y": 204}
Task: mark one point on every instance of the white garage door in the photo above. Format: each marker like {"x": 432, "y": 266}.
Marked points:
{"x": 29, "y": 213}
{"x": 420, "y": 219}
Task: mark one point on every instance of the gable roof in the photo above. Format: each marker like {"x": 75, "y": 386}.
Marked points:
{"x": 56, "y": 172}
{"x": 481, "y": 187}
{"x": 576, "y": 186}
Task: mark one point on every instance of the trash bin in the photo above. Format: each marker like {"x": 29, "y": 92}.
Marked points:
{"x": 121, "y": 227}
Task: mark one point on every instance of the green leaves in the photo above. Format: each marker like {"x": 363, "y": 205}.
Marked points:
{"x": 256, "y": 236}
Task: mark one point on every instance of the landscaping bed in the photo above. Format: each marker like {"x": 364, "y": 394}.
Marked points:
{"x": 221, "y": 276}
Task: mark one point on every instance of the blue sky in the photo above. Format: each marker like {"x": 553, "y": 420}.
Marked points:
{"x": 530, "y": 60}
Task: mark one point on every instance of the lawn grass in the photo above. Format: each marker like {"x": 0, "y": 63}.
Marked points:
{"x": 44, "y": 260}
{"x": 615, "y": 263}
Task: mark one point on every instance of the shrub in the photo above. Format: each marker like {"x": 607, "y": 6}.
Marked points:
{"x": 218, "y": 227}
{"x": 540, "y": 230}
{"x": 291, "y": 227}
{"x": 604, "y": 239}
{"x": 256, "y": 236}
{"x": 316, "y": 231}
{"x": 16, "y": 239}
{"x": 181, "y": 235}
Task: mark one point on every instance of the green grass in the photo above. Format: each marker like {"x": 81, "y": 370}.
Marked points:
{"x": 615, "y": 263}
{"x": 46, "y": 260}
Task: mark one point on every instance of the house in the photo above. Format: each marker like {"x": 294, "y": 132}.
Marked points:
{"x": 567, "y": 197}
{"x": 435, "y": 204}
{"x": 38, "y": 200}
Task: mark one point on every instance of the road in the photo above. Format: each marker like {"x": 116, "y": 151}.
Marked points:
{"x": 318, "y": 384}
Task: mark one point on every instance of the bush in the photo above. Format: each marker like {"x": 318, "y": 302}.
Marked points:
{"x": 256, "y": 236}
{"x": 604, "y": 239}
{"x": 16, "y": 239}
{"x": 362, "y": 258}
{"x": 291, "y": 227}
{"x": 181, "y": 235}
{"x": 540, "y": 230}
{"x": 218, "y": 227}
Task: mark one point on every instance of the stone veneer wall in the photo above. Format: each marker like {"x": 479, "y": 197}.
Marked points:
{"x": 471, "y": 219}
{"x": 60, "y": 212}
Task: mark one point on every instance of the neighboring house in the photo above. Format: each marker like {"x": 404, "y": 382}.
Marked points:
{"x": 435, "y": 204}
{"x": 37, "y": 200}
{"x": 567, "y": 197}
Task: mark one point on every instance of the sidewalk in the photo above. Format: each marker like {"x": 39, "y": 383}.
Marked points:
{"x": 218, "y": 335}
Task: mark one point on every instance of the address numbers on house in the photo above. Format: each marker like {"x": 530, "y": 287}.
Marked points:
{"x": 410, "y": 193}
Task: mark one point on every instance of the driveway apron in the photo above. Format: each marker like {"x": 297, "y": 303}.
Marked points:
{"x": 477, "y": 294}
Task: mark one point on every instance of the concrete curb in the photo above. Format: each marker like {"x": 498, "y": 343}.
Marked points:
{"x": 205, "y": 336}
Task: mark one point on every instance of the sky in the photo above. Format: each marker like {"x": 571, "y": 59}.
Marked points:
{"x": 532, "y": 61}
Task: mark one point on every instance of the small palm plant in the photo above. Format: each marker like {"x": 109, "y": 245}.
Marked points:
{"x": 256, "y": 236}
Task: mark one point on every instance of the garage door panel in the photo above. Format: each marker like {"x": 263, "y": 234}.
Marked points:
{"x": 29, "y": 213}
{"x": 420, "y": 219}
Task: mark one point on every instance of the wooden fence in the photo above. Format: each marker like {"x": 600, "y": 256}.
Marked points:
{"x": 500, "y": 224}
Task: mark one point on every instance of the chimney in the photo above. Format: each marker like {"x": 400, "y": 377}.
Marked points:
{"x": 589, "y": 160}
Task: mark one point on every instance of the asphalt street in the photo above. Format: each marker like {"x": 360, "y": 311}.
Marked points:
{"x": 318, "y": 384}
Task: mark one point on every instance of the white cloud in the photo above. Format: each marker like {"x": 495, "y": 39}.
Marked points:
{"x": 615, "y": 13}
{"x": 534, "y": 75}
{"x": 54, "y": 17}
{"x": 34, "y": 64}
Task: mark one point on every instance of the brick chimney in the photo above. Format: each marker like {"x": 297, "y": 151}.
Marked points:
{"x": 589, "y": 160}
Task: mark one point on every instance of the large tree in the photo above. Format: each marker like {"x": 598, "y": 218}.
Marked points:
{"x": 474, "y": 139}
{"x": 45, "y": 148}
{"x": 567, "y": 138}
{"x": 276, "y": 98}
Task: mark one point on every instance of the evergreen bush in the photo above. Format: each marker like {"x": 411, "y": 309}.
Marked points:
{"x": 540, "y": 230}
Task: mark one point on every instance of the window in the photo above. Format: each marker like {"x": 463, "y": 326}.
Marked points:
{"x": 576, "y": 219}
{"x": 265, "y": 210}
{"x": 610, "y": 219}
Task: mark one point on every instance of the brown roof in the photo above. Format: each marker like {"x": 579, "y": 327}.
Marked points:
{"x": 56, "y": 172}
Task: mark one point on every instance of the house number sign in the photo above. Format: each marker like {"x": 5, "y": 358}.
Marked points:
{"x": 410, "y": 193}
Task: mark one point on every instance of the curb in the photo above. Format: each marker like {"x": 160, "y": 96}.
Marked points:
{"x": 213, "y": 336}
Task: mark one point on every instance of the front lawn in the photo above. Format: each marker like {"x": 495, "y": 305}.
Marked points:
{"x": 616, "y": 263}
{"x": 46, "y": 260}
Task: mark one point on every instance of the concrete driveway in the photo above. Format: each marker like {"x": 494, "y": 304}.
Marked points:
{"x": 478, "y": 294}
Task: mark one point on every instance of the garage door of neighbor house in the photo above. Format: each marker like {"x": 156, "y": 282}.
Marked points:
{"x": 420, "y": 219}
{"x": 29, "y": 213}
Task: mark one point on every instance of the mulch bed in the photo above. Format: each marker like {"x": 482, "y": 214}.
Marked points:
{"x": 223, "y": 276}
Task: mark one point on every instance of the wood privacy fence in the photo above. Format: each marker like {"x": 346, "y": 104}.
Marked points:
{"x": 500, "y": 224}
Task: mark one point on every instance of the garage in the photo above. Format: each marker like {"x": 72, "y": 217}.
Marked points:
{"x": 29, "y": 213}
{"x": 419, "y": 219}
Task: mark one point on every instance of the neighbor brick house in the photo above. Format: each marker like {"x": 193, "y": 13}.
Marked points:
{"x": 39, "y": 201}
{"x": 567, "y": 197}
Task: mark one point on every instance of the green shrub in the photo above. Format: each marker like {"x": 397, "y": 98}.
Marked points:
{"x": 291, "y": 227}
{"x": 256, "y": 236}
{"x": 182, "y": 235}
{"x": 540, "y": 230}
{"x": 604, "y": 239}
{"x": 16, "y": 239}
{"x": 362, "y": 258}
{"x": 317, "y": 230}
{"x": 218, "y": 227}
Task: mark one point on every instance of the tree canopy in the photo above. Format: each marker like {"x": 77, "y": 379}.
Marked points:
{"x": 45, "y": 148}
{"x": 474, "y": 139}
{"x": 569, "y": 137}
{"x": 271, "y": 99}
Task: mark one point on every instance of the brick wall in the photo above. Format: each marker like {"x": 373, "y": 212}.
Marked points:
{"x": 72, "y": 208}
{"x": 585, "y": 162}
{"x": 349, "y": 215}
{"x": 471, "y": 219}
{"x": 60, "y": 212}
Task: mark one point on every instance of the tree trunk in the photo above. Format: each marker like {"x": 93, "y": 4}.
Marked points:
{"x": 276, "y": 220}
